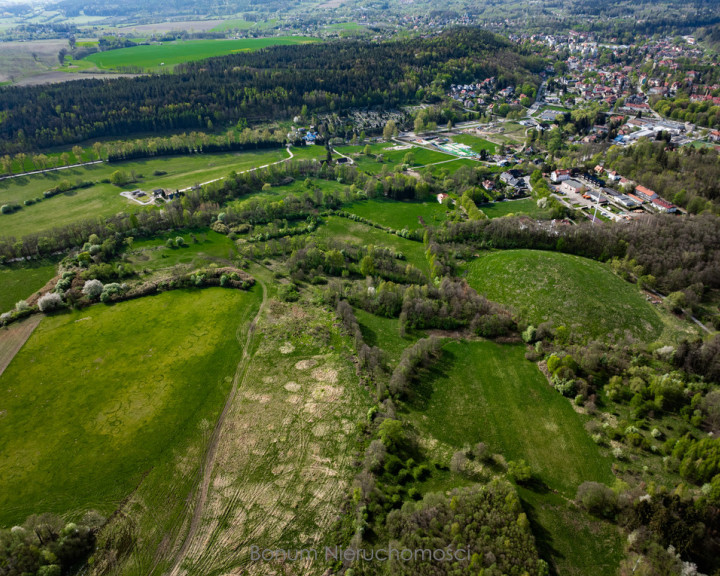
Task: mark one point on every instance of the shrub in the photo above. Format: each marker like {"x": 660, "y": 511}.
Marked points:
{"x": 179, "y": 241}
{"x": 530, "y": 334}
{"x": 9, "y": 208}
{"x": 597, "y": 499}
{"x": 22, "y": 306}
{"x": 520, "y": 471}
{"x": 92, "y": 289}
{"x": 288, "y": 293}
{"x": 50, "y": 301}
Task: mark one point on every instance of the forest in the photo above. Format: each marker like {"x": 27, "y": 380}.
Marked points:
{"x": 260, "y": 86}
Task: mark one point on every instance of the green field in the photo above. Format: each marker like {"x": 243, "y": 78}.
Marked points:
{"x": 525, "y": 206}
{"x": 581, "y": 294}
{"x": 104, "y": 199}
{"x": 168, "y": 54}
{"x": 363, "y": 235}
{"x": 97, "y": 398}
{"x": 476, "y": 143}
{"x": 20, "y": 282}
{"x": 202, "y": 248}
{"x": 399, "y": 215}
{"x": 487, "y": 392}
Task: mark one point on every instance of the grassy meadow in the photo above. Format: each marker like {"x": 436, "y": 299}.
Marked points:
{"x": 581, "y": 294}
{"x": 399, "y": 215}
{"x": 525, "y": 206}
{"x": 103, "y": 199}
{"x": 20, "y": 282}
{"x": 487, "y": 392}
{"x": 476, "y": 143}
{"x": 98, "y": 398}
{"x": 166, "y": 55}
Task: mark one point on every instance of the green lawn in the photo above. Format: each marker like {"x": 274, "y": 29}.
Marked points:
{"x": 104, "y": 199}
{"x": 487, "y": 392}
{"x": 447, "y": 168}
{"x": 476, "y": 143}
{"x": 525, "y": 206}
{"x": 20, "y": 282}
{"x": 363, "y": 235}
{"x": 168, "y": 54}
{"x": 581, "y": 294}
{"x": 421, "y": 156}
{"x": 98, "y": 398}
{"x": 399, "y": 215}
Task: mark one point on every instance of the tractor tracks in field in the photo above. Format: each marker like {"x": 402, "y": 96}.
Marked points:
{"x": 211, "y": 454}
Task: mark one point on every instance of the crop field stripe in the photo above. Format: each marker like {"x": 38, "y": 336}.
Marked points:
{"x": 13, "y": 338}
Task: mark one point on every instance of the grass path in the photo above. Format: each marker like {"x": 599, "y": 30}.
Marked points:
{"x": 211, "y": 455}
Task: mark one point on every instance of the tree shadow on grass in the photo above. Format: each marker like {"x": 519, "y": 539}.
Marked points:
{"x": 543, "y": 538}
{"x": 423, "y": 386}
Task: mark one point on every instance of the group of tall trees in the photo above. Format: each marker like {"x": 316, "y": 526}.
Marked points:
{"x": 260, "y": 86}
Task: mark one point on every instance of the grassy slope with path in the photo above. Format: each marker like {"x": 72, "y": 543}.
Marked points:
{"x": 581, "y": 294}
{"x": 76, "y": 400}
{"x": 487, "y": 392}
{"x": 150, "y": 57}
{"x": 283, "y": 465}
{"x": 104, "y": 199}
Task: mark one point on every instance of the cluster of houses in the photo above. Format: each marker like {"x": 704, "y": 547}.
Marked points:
{"x": 469, "y": 94}
{"x": 485, "y": 92}
{"x": 594, "y": 189}
{"x": 590, "y": 77}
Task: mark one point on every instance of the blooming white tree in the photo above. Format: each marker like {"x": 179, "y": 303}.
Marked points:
{"x": 50, "y": 301}
{"x": 92, "y": 288}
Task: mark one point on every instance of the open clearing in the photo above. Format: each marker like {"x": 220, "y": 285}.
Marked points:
{"x": 487, "y": 392}
{"x": 167, "y": 54}
{"x": 355, "y": 232}
{"x": 399, "y": 215}
{"x": 97, "y": 399}
{"x": 525, "y": 206}
{"x": 581, "y": 294}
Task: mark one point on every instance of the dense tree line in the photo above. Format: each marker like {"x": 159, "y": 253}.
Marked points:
{"x": 260, "y": 86}
{"x": 46, "y": 546}
{"x": 686, "y": 176}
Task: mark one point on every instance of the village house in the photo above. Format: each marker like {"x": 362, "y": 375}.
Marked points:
{"x": 559, "y": 175}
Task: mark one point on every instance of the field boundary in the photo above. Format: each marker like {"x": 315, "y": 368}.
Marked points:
{"x": 210, "y": 456}
{"x": 13, "y": 338}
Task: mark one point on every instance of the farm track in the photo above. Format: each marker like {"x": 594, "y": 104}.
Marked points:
{"x": 209, "y": 462}
{"x": 12, "y": 339}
